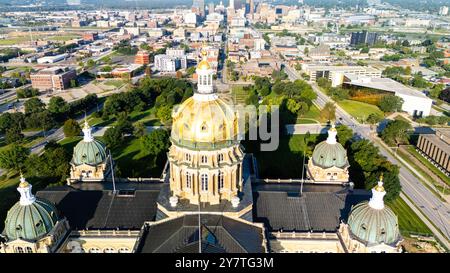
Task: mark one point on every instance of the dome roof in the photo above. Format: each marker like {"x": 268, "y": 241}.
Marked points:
{"x": 89, "y": 150}
{"x": 204, "y": 121}
{"x": 372, "y": 222}
{"x": 91, "y": 153}
{"x": 374, "y": 226}
{"x": 204, "y": 65}
{"x": 330, "y": 153}
{"x": 31, "y": 218}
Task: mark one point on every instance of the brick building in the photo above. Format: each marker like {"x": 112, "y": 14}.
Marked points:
{"x": 54, "y": 78}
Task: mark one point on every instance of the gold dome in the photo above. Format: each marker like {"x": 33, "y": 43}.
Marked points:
{"x": 204, "y": 65}
{"x": 210, "y": 121}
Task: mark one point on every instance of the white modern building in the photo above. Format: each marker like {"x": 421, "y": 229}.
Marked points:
{"x": 414, "y": 101}
{"x": 164, "y": 63}
{"x": 336, "y": 73}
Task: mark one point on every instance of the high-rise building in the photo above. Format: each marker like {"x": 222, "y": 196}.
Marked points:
{"x": 199, "y": 6}
{"x": 363, "y": 37}
{"x": 443, "y": 10}
{"x": 231, "y": 4}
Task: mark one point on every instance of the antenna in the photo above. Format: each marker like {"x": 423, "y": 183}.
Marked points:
{"x": 199, "y": 227}
{"x": 303, "y": 177}
{"x": 112, "y": 172}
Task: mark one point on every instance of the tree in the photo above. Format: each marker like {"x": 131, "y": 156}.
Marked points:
{"x": 445, "y": 95}
{"x": 52, "y": 166}
{"x": 34, "y": 105}
{"x": 374, "y": 118}
{"x": 14, "y": 157}
{"x": 164, "y": 113}
{"x": 13, "y": 135}
{"x": 293, "y": 106}
{"x": 396, "y": 132}
{"x": 344, "y": 135}
{"x": 338, "y": 94}
{"x": 139, "y": 129}
{"x": 391, "y": 103}
{"x": 419, "y": 82}
{"x": 71, "y": 128}
{"x": 328, "y": 112}
{"x": 324, "y": 83}
{"x": 58, "y": 107}
{"x": 436, "y": 90}
{"x": 155, "y": 142}
{"x": 113, "y": 137}
{"x": 391, "y": 181}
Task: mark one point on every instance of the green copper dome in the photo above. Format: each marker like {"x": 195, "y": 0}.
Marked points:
{"x": 374, "y": 226}
{"x": 372, "y": 222}
{"x": 330, "y": 153}
{"x": 91, "y": 153}
{"x": 31, "y": 218}
{"x": 88, "y": 151}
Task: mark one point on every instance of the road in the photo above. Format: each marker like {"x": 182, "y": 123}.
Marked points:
{"x": 428, "y": 203}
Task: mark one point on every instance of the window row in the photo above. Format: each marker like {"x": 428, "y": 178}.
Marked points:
{"x": 204, "y": 179}
{"x": 203, "y": 158}
{"x": 109, "y": 250}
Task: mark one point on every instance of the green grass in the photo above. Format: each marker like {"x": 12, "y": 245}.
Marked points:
{"x": 26, "y": 38}
{"x": 274, "y": 164}
{"x": 115, "y": 83}
{"x": 312, "y": 116}
{"x": 428, "y": 164}
{"x": 239, "y": 94}
{"x": 408, "y": 221}
{"x": 359, "y": 110}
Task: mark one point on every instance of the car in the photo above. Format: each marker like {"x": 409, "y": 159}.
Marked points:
{"x": 11, "y": 106}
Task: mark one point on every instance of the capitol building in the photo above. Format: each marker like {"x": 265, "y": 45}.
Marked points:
{"x": 207, "y": 199}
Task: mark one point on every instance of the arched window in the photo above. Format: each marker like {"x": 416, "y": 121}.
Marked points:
{"x": 19, "y": 249}
{"x": 204, "y": 179}
{"x": 204, "y": 159}
{"x": 28, "y": 249}
{"x": 187, "y": 157}
{"x": 221, "y": 179}
{"x": 188, "y": 180}
{"x": 220, "y": 157}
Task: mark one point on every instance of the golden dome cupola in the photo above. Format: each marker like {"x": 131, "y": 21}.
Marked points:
{"x": 205, "y": 79}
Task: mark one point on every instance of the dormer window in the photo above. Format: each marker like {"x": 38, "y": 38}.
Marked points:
{"x": 204, "y": 127}
{"x": 364, "y": 227}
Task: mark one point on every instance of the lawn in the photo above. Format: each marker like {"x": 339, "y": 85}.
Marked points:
{"x": 115, "y": 83}
{"x": 359, "y": 110}
{"x": 239, "y": 94}
{"x": 274, "y": 164}
{"x": 312, "y": 116}
{"x": 408, "y": 221}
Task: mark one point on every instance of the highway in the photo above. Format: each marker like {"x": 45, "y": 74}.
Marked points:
{"x": 428, "y": 203}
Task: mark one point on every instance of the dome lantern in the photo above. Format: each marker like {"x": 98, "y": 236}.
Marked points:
{"x": 205, "y": 79}
{"x": 332, "y": 133}
{"x": 87, "y": 131}
{"x": 378, "y": 193}
{"x": 26, "y": 196}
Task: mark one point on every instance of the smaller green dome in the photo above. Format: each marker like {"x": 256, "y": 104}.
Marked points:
{"x": 91, "y": 153}
{"x": 374, "y": 226}
{"x": 372, "y": 222}
{"x": 31, "y": 218}
{"x": 89, "y": 150}
{"x": 330, "y": 153}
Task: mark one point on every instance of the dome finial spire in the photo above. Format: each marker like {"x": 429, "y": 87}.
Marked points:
{"x": 378, "y": 193}
{"x": 26, "y": 196}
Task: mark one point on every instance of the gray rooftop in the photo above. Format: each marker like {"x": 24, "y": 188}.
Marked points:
{"x": 319, "y": 208}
